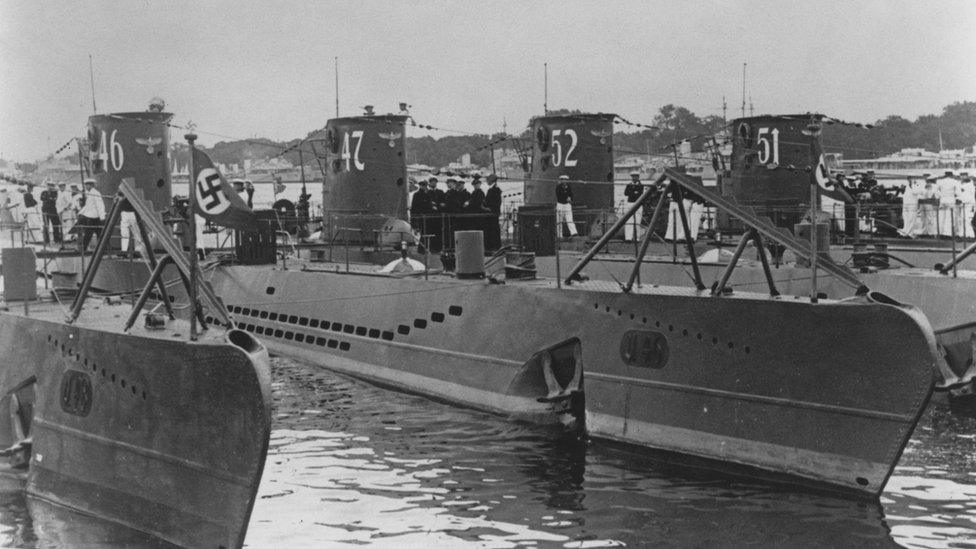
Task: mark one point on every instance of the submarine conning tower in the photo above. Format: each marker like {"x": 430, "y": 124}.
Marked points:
{"x": 131, "y": 144}
{"x": 770, "y": 155}
{"x": 365, "y": 175}
{"x": 579, "y": 146}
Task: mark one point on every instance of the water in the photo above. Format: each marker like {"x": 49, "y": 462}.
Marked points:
{"x": 351, "y": 464}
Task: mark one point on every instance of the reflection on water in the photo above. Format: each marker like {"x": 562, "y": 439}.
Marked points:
{"x": 351, "y": 464}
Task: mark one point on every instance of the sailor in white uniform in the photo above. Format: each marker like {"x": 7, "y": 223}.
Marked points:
{"x": 928, "y": 201}
{"x": 693, "y": 211}
{"x": 633, "y": 191}
{"x": 947, "y": 204}
{"x": 968, "y": 197}
{"x": 909, "y": 208}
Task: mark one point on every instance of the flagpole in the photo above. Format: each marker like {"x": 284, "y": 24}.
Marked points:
{"x": 192, "y": 238}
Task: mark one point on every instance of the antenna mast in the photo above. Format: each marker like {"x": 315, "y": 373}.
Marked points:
{"x": 337, "y": 85}
{"x": 91, "y": 78}
{"x": 743, "y": 90}
{"x": 545, "y": 97}
{"x": 725, "y": 107}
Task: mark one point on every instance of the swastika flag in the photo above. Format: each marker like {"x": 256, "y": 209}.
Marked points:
{"x": 217, "y": 201}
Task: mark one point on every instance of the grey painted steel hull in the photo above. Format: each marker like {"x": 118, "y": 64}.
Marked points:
{"x": 945, "y": 300}
{"x": 790, "y": 388}
{"x": 153, "y": 433}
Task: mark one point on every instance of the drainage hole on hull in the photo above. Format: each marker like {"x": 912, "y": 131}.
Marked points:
{"x": 670, "y": 327}
{"x": 657, "y": 324}
{"x": 747, "y": 349}
{"x": 731, "y": 345}
{"x": 632, "y": 316}
{"x": 644, "y": 320}
{"x": 684, "y": 332}
{"x": 714, "y": 341}
{"x": 143, "y": 395}
{"x": 862, "y": 481}
{"x": 113, "y": 378}
{"x": 596, "y": 305}
{"x": 122, "y": 383}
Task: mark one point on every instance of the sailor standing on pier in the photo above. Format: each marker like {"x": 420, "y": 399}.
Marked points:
{"x": 633, "y": 191}
{"x": 564, "y": 206}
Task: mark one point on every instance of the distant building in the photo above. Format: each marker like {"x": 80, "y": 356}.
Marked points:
{"x": 915, "y": 160}
{"x": 57, "y": 169}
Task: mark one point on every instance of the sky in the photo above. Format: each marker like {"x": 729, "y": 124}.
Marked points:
{"x": 267, "y": 69}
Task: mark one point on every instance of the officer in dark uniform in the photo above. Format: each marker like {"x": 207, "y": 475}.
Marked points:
{"x": 462, "y": 221}
{"x": 633, "y": 191}
{"x": 421, "y": 206}
{"x": 564, "y": 206}
{"x": 436, "y": 222}
{"x": 493, "y": 201}
{"x": 453, "y": 205}
{"x": 49, "y": 212}
{"x": 476, "y": 207}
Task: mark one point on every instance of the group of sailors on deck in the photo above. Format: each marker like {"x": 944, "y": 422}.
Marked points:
{"x": 928, "y": 205}
{"x": 437, "y": 214}
{"x": 61, "y": 212}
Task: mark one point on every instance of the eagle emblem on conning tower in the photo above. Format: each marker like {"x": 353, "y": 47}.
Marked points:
{"x": 150, "y": 143}
{"x": 602, "y": 134}
{"x": 392, "y": 136}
